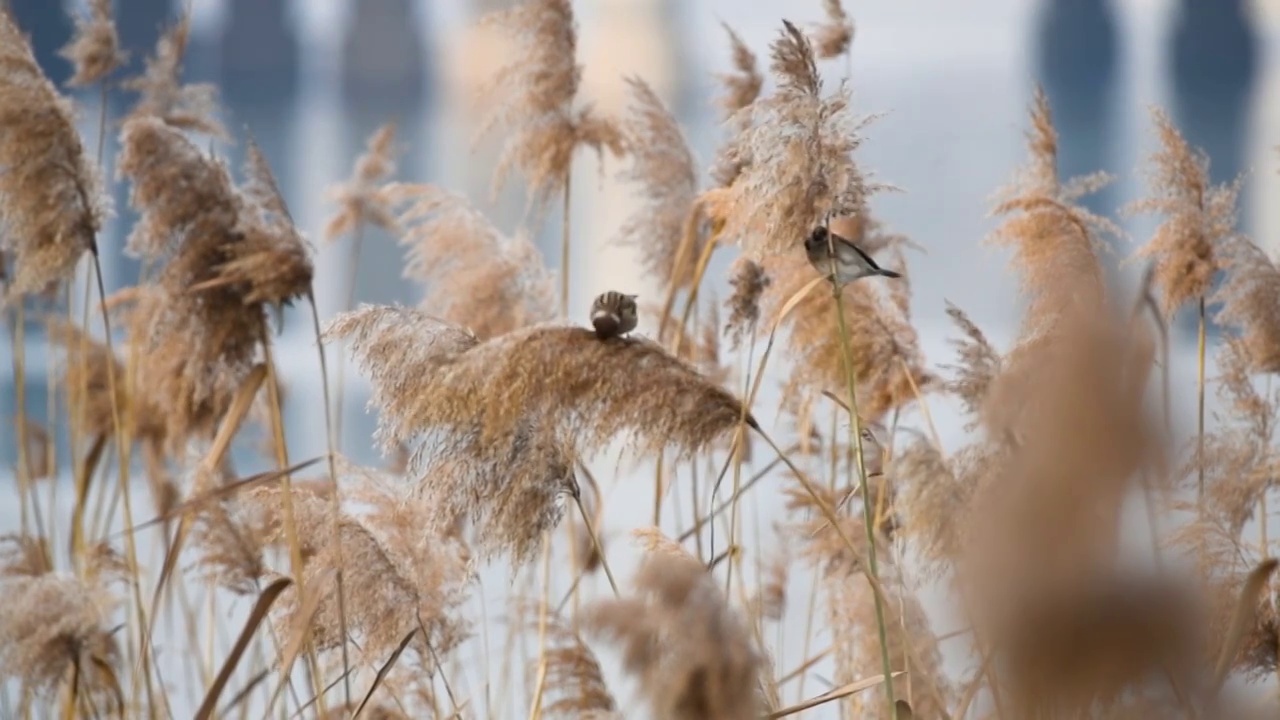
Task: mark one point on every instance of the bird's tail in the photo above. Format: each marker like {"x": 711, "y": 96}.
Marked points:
{"x": 890, "y": 273}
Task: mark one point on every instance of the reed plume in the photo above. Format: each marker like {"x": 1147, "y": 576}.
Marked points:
{"x": 741, "y": 87}
{"x": 1250, "y": 301}
{"x": 535, "y": 97}
{"x": 362, "y": 199}
{"x": 51, "y": 201}
{"x": 1198, "y": 218}
{"x": 886, "y": 357}
{"x": 225, "y": 253}
{"x": 795, "y": 155}
{"x": 979, "y": 365}
{"x": 692, "y": 654}
{"x": 664, "y": 227}
{"x": 749, "y": 282}
{"x": 1055, "y": 241}
{"x": 94, "y": 50}
{"x": 499, "y": 423}
{"x": 575, "y": 684}
{"x": 833, "y": 37}
{"x": 475, "y": 276}
{"x": 55, "y": 627}
{"x": 851, "y": 612}
{"x": 162, "y": 95}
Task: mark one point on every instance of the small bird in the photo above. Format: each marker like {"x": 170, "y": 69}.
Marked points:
{"x": 613, "y": 314}
{"x": 851, "y": 263}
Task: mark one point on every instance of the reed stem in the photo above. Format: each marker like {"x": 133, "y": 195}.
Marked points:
{"x": 855, "y": 438}
{"x": 564, "y": 250}
{"x": 1200, "y": 348}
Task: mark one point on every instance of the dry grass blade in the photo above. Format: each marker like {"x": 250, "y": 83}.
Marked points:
{"x": 222, "y": 491}
{"x": 256, "y": 616}
{"x": 301, "y": 625}
{"x": 843, "y": 691}
{"x": 1242, "y": 618}
{"x": 383, "y": 670}
{"x": 231, "y": 422}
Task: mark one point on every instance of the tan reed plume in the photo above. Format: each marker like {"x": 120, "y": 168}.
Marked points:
{"x": 1055, "y": 241}
{"x": 575, "y": 684}
{"x": 887, "y": 362}
{"x": 666, "y": 176}
{"x": 1198, "y": 217}
{"x": 224, "y": 254}
{"x": 749, "y": 282}
{"x": 833, "y": 37}
{"x": 361, "y": 198}
{"x": 851, "y": 614}
{"x": 474, "y": 275}
{"x": 51, "y": 201}
{"x": 741, "y": 87}
{"x": 500, "y": 423}
{"x": 979, "y": 365}
{"x": 534, "y": 96}
{"x": 55, "y": 626}
{"x": 94, "y": 50}
{"x": 692, "y": 654}
{"x": 162, "y": 95}
{"x": 1250, "y": 299}
{"x": 795, "y": 155}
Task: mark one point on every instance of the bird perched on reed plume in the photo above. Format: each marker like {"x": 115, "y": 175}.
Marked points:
{"x": 613, "y": 314}
{"x": 851, "y": 263}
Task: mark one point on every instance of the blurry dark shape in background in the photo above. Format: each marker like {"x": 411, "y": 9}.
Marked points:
{"x": 259, "y": 52}
{"x": 1076, "y": 63}
{"x": 384, "y": 78}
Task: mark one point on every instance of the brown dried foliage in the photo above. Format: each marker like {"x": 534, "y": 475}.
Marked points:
{"x": 224, "y": 253}
{"x": 663, "y": 169}
{"x": 692, "y": 654}
{"x": 52, "y": 621}
{"x": 1198, "y": 218}
{"x": 834, "y": 36}
{"x": 51, "y": 202}
{"x": 749, "y": 281}
{"x": 574, "y": 686}
{"x": 498, "y": 424}
{"x": 361, "y": 198}
{"x": 475, "y": 276}
{"x": 742, "y": 86}
{"x": 161, "y": 92}
{"x": 979, "y": 365}
{"x": 1251, "y": 302}
{"x": 851, "y": 614}
{"x": 535, "y": 97}
{"x": 884, "y": 345}
{"x": 1055, "y": 241}
{"x": 94, "y": 50}
{"x": 791, "y": 161}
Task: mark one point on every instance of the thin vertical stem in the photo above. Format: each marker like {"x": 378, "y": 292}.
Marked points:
{"x": 337, "y": 500}
{"x": 1200, "y": 405}
{"x": 564, "y": 251}
{"x": 855, "y": 438}
{"x": 340, "y": 391}
{"x": 123, "y": 457}
{"x": 20, "y": 411}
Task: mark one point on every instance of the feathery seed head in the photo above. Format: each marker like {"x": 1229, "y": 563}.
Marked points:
{"x": 361, "y": 199}
{"x": 665, "y": 227}
{"x": 162, "y": 94}
{"x": 691, "y": 652}
{"x": 1251, "y": 301}
{"x": 51, "y": 202}
{"x": 475, "y": 276}
{"x": 834, "y": 36}
{"x": 534, "y": 96}
{"x": 749, "y": 282}
{"x": 742, "y": 87}
{"x": 95, "y": 49}
{"x": 792, "y": 158}
{"x": 1199, "y": 218}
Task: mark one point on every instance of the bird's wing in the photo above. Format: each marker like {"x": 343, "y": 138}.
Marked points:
{"x": 865, "y": 257}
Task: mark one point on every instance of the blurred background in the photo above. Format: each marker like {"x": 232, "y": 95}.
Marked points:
{"x": 311, "y": 79}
